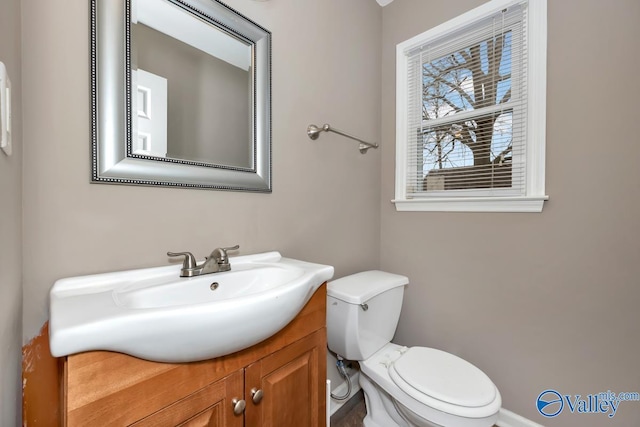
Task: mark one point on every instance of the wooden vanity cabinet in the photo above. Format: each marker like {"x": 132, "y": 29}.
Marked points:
{"x": 293, "y": 393}
{"x": 284, "y": 375}
{"x": 210, "y": 406}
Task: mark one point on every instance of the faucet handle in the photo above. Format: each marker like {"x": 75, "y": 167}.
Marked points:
{"x": 223, "y": 258}
{"x": 189, "y": 259}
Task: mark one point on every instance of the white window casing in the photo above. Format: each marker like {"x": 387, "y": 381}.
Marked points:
{"x": 526, "y": 109}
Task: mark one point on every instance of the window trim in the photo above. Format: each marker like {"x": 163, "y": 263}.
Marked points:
{"x": 534, "y": 197}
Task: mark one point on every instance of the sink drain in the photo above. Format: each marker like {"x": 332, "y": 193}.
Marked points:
{"x": 214, "y": 286}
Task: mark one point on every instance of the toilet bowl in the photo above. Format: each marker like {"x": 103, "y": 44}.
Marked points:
{"x": 403, "y": 386}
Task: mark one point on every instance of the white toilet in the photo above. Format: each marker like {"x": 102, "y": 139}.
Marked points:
{"x": 403, "y": 386}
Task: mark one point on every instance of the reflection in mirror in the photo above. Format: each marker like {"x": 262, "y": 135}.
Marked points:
{"x": 196, "y": 104}
{"x": 191, "y": 84}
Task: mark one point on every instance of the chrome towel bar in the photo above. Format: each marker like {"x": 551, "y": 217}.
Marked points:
{"x": 314, "y": 131}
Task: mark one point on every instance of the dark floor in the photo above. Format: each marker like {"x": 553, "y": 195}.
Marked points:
{"x": 352, "y": 415}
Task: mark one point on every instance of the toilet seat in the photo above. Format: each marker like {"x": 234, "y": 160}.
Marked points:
{"x": 382, "y": 370}
{"x": 427, "y": 373}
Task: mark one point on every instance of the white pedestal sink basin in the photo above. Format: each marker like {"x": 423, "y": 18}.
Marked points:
{"x": 156, "y": 315}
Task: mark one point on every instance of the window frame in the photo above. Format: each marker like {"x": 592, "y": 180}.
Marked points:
{"x": 534, "y": 192}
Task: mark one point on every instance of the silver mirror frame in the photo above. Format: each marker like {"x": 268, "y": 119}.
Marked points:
{"x": 112, "y": 161}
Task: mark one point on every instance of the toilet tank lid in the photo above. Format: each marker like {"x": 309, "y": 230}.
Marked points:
{"x": 361, "y": 287}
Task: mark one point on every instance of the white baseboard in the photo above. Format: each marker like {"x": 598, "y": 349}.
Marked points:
{"x": 341, "y": 389}
{"x": 507, "y": 418}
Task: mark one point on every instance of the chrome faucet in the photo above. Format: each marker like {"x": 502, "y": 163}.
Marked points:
{"x": 217, "y": 262}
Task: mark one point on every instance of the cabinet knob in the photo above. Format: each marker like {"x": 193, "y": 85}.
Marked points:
{"x": 238, "y": 406}
{"x": 256, "y": 395}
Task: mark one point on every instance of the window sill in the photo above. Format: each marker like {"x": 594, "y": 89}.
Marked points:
{"x": 472, "y": 204}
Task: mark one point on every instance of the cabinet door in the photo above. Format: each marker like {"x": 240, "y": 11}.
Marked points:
{"x": 211, "y": 406}
{"x": 292, "y": 382}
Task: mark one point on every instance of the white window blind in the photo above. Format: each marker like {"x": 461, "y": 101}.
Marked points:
{"x": 467, "y": 110}
{"x": 471, "y": 112}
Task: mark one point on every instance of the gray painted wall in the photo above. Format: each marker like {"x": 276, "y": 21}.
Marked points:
{"x": 11, "y": 228}
{"x": 325, "y": 202}
{"x": 559, "y": 311}
{"x": 544, "y": 300}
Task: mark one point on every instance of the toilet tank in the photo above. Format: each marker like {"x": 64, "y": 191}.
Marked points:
{"x": 363, "y": 312}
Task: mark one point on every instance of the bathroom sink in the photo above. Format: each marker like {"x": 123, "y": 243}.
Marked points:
{"x": 156, "y": 315}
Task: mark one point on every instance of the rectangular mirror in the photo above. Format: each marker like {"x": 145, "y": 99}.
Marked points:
{"x": 181, "y": 93}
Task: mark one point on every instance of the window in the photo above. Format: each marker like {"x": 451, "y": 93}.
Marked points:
{"x": 470, "y": 105}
